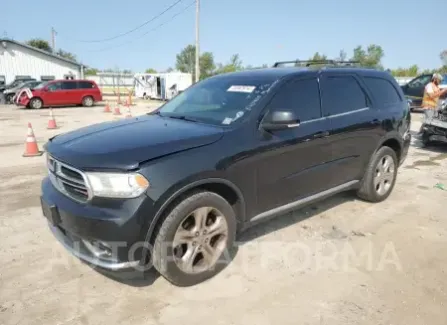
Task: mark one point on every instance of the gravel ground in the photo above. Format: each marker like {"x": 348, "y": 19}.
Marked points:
{"x": 341, "y": 261}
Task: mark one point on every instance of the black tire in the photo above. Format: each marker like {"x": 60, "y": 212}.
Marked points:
{"x": 367, "y": 189}
{"x": 8, "y": 98}
{"x": 162, "y": 256}
{"x": 87, "y": 101}
{"x": 36, "y": 103}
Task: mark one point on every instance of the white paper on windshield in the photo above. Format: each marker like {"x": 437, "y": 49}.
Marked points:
{"x": 227, "y": 120}
{"x": 241, "y": 89}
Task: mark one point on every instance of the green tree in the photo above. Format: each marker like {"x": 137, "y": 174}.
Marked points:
{"x": 186, "y": 62}
{"x": 40, "y": 44}
{"x": 318, "y": 57}
{"x": 91, "y": 72}
{"x": 150, "y": 70}
{"x": 371, "y": 57}
{"x": 66, "y": 55}
{"x": 235, "y": 64}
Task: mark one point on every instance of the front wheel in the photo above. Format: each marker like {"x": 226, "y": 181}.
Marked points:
{"x": 36, "y": 103}
{"x": 9, "y": 98}
{"x": 380, "y": 176}
{"x": 192, "y": 242}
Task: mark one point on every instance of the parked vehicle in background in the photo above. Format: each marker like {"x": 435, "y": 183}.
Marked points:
{"x": 62, "y": 93}
{"x": 12, "y": 92}
{"x": 229, "y": 152}
{"x": 414, "y": 89}
{"x": 15, "y": 83}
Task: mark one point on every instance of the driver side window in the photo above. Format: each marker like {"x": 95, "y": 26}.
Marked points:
{"x": 301, "y": 96}
{"x": 419, "y": 82}
{"x": 54, "y": 86}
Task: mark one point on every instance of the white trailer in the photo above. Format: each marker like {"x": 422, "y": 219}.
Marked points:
{"x": 162, "y": 86}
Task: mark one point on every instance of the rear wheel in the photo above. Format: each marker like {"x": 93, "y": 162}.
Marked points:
{"x": 36, "y": 103}
{"x": 9, "y": 98}
{"x": 380, "y": 176}
{"x": 193, "y": 239}
{"x": 87, "y": 101}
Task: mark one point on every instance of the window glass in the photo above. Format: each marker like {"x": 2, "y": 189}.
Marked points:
{"x": 54, "y": 86}
{"x": 69, "y": 85}
{"x": 221, "y": 100}
{"x": 419, "y": 82}
{"x": 85, "y": 85}
{"x": 383, "y": 91}
{"x": 301, "y": 96}
{"x": 342, "y": 94}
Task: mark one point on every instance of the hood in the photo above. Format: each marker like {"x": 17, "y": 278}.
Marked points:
{"x": 124, "y": 144}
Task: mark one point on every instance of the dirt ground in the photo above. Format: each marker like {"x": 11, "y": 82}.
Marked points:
{"x": 341, "y": 261}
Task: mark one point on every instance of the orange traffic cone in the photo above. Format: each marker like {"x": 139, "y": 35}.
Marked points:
{"x": 107, "y": 108}
{"x": 51, "y": 121}
{"x": 31, "y": 148}
{"x": 129, "y": 114}
{"x": 117, "y": 110}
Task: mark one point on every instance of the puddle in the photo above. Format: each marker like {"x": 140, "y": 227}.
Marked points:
{"x": 432, "y": 161}
{"x": 422, "y": 187}
{"x": 441, "y": 156}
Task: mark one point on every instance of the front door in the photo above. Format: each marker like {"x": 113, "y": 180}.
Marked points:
{"x": 290, "y": 163}
{"x": 54, "y": 94}
{"x": 71, "y": 93}
{"x": 354, "y": 125}
{"x": 415, "y": 89}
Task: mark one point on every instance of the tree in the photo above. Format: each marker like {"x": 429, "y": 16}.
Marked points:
{"x": 186, "y": 62}
{"x": 318, "y": 57}
{"x": 66, "y": 55}
{"x": 91, "y": 72}
{"x": 150, "y": 70}
{"x": 370, "y": 58}
{"x": 342, "y": 55}
{"x": 235, "y": 64}
{"x": 40, "y": 44}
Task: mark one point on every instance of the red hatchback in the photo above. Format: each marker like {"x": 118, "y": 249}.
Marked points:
{"x": 61, "y": 93}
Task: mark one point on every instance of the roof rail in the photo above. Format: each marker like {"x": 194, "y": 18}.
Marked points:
{"x": 308, "y": 63}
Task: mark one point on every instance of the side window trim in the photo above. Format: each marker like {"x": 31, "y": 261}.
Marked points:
{"x": 267, "y": 109}
{"x": 365, "y": 91}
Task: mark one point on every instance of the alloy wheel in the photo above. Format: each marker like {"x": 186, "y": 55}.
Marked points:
{"x": 384, "y": 175}
{"x": 200, "y": 240}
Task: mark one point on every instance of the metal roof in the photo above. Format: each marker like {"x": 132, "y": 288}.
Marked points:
{"x": 40, "y": 51}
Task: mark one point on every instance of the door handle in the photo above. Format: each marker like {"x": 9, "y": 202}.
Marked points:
{"x": 321, "y": 134}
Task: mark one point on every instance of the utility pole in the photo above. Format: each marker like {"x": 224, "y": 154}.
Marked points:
{"x": 53, "y": 39}
{"x": 197, "y": 41}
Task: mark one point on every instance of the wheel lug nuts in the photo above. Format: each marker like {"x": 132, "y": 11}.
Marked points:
{"x": 197, "y": 234}
{"x": 194, "y": 243}
{"x": 204, "y": 232}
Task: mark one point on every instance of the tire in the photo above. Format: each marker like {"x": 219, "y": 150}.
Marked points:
{"x": 167, "y": 258}
{"x": 36, "y": 103}
{"x": 368, "y": 190}
{"x": 87, "y": 101}
{"x": 8, "y": 98}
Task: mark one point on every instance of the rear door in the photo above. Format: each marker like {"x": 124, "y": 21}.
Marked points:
{"x": 290, "y": 164}
{"x": 354, "y": 125}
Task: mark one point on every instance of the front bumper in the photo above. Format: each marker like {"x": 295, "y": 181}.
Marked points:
{"x": 106, "y": 233}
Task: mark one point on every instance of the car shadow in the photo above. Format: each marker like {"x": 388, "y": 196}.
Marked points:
{"x": 295, "y": 216}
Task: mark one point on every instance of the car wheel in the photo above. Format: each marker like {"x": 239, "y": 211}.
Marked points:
{"x": 8, "y": 98}
{"x": 36, "y": 103}
{"x": 193, "y": 240}
{"x": 380, "y": 176}
{"x": 87, "y": 101}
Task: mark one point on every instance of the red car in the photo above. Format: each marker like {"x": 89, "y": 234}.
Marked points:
{"x": 61, "y": 93}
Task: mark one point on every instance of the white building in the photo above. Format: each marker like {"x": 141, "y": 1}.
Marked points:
{"x": 18, "y": 59}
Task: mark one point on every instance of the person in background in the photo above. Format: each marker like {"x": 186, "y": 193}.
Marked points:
{"x": 432, "y": 93}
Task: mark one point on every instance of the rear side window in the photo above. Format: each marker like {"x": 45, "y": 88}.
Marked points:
{"x": 85, "y": 85}
{"x": 69, "y": 85}
{"x": 342, "y": 94}
{"x": 301, "y": 96}
{"x": 383, "y": 91}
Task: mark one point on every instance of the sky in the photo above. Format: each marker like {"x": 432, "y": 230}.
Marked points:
{"x": 260, "y": 31}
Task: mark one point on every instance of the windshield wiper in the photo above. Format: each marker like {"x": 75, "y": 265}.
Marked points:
{"x": 181, "y": 117}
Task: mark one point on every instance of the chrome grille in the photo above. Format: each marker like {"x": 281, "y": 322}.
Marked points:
{"x": 68, "y": 180}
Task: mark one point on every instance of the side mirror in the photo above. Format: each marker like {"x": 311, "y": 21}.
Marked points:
{"x": 279, "y": 120}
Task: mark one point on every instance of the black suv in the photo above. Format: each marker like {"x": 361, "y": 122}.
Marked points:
{"x": 173, "y": 188}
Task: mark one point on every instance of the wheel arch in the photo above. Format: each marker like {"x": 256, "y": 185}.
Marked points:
{"x": 36, "y": 97}
{"x": 394, "y": 144}
{"x": 228, "y": 190}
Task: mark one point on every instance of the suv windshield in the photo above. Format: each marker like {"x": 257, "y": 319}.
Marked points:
{"x": 220, "y": 100}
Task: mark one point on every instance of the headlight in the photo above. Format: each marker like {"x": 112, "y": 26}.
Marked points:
{"x": 117, "y": 185}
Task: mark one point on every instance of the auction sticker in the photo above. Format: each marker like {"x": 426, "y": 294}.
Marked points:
{"x": 241, "y": 89}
